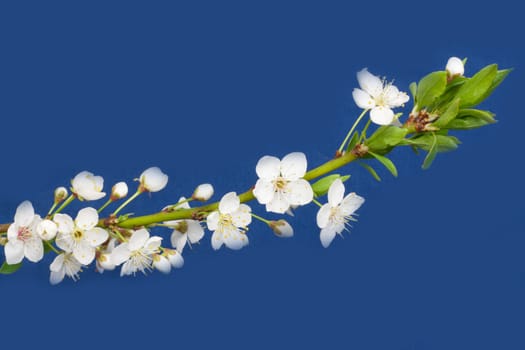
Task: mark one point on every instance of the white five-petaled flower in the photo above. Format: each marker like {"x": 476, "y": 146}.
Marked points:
{"x": 455, "y": 67}
{"x": 137, "y": 253}
{"x": 64, "y": 264}
{"x": 80, "y": 237}
{"x": 229, "y": 223}
{"x": 153, "y": 180}
{"x": 22, "y": 238}
{"x": 281, "y": 182}
{"x": 87, "y": 186}
{"x": 333, "y": 217}
{"x": 184, "y": 231}
{"x": 378, "y": 96}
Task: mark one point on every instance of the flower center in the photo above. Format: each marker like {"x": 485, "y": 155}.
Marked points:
{"x": 77, "y": 235}
{"x": 280, "y": 183}
{"x": 225, "y": 220}
{"x": 24, "y": 233}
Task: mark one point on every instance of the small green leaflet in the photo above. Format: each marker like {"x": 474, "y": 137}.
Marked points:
{"x": 429, "y": 159}
{"x": 430, "y": 88}
{"x": 7, "y": 269}
{"x": 321, "y": 186}
{"x": 386, "y": 162}
{"x": 370, "y": 170}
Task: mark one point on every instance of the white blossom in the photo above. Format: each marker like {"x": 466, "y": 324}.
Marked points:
{"x": 174, "y": 257}
{"x": 455, "y": 67}
{"x": 186, "y": 230}
{"x": 334, "y": 216}
{"x": 80, "y": 237}
{"x": 63, "y": 265}
{"x": 136, "y": 254}
{"x": 378, "y": 96}
{"x": 281, "y": 182}
{"x": 203, "y": 192}
{"x": 22, "y": 237}
{"x": 119, "y": 190}
{"x": 161, "y": 263}
{"x": 229, "y": 223}
{"x": 87, "y": 186}
{"x": 103, "y": 257}
{"x": 153, "y": 180}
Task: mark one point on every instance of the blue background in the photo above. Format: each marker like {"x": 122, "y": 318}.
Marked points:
{"x": 203, "y": 89}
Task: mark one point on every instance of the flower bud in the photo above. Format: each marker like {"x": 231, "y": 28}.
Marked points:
{"x": 47, "y": 230}
{"x": 455, "y": 67}
{"x": 203, "y": 192}
{"x": 119, "y": 190}
{"x": 60, "y": 194}
{"x": 161, "y": 263}
{"x": 153, "y": 180}
{"x": 281, "y": 228}
{"x": 174, "y": 257}
{"x": 104, "y": 262}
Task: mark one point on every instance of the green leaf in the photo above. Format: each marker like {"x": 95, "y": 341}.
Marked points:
{"x": 353, "y": 142}
{"x": 321, "y": 186}
{"x": 386, "y": 137}
{"x": 413, "y": 89}
{"x": 431, "y": 87}
{"x": 468, "y": 122}
{"x": 386, "y": 162}
{"x": 450, "y": 113}
{"x": 500, "y": 76}
{"x": 485, "y": 115}
{"x": 7, "y": 269}
{"x": 370, "y": 170}
{"x": 474, "y": 90}
{"x": 426, "y": 141}
{"x": 429, "y": 159}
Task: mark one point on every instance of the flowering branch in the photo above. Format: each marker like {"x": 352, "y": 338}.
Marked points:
{"x": 444, "y": 101}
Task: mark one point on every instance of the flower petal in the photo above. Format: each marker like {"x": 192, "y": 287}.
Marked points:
{"x": 370, "y": 83}
{"x": 56, "y": 277}
{"x": 161, "y": 263}
{"x": 120, "y": 254}
{"x": 96, "y": 236}
{"x": 299, "y": 192}
{"x": 323, "y": 215}
{"x": 268, "y": 168}
{"x": 14, "y": 252}
{"x": 279, "y": 204}
{"x": 24, "y": 214}
{"x": 336, "y": 192}
{"x": 178, "y": 240}
{"x": 57, "y": 263}
{"x": 65, "y": 241}
{"x": 138, "y": 239}
{"x": 293, "y": 166}
{"x": 65, "y": 223}
{"x": 382, "y": 115}
{"x": 195, "y": 231}
{"x": 327, "y": 235}
{"x": 229, "y": 203}
{"x": 153, "y": 244}
{"x": 86, "y": 219}
{"x": 362, "y": 99}
{"x": 34, "y": 249}
{"x": 234, "y": 239}
{"x": 242, "y": 217}
{"x": 84, "y": 252}
{"x": 216, "y": 240}
{"x": 395, "y": 98}
{"x": 351, "y": 203}
{"x": 264, "y": 191}
{"x": 212, "y": 221}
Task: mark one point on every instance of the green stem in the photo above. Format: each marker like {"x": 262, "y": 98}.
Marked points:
{"x": 105, "y": 205}
{"x": 130, "y": 199}
{"x": 317, "y": 202}
{"x": 267, "y": 222}
{"x": 52, "y": 247}
{"x": 174, "y": 206}
{"x": 247, "y": 196}
{"x": 65, "y": 204}
{"x": 363, "y": 133}
{"x": 52, "y": 208}
{"x": 352, "y": 131}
